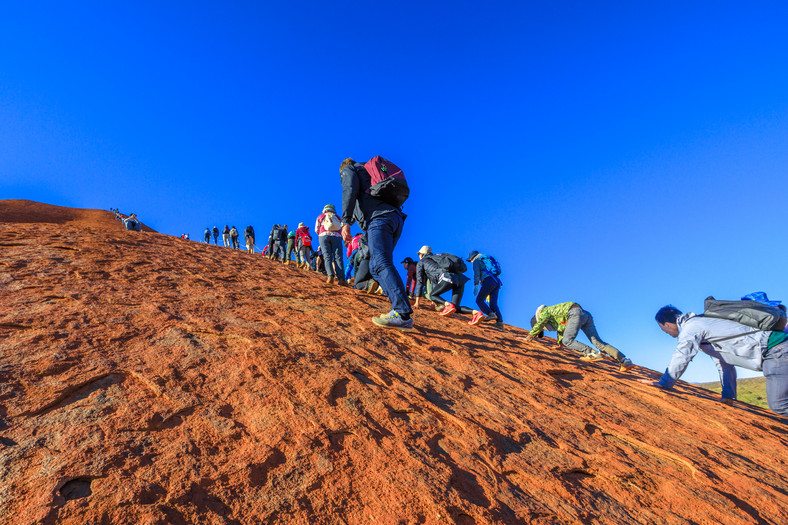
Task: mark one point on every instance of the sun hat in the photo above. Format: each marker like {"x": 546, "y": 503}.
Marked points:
{"x": 425, "y": 250}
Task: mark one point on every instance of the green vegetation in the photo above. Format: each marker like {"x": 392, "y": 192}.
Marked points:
{"x": 751, "y": 390}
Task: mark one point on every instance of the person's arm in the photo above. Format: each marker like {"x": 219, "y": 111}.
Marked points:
{"x": 686, "y": 349}
{"x": 540, "y": 324}
{"x": 477, "y": 271}
{"x": 351, "y": 186}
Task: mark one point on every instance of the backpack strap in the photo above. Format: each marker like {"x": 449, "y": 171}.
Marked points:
{"x": 721, "y": 339}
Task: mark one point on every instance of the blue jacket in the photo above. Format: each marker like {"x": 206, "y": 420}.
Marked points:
{"x": 357, "y": 204}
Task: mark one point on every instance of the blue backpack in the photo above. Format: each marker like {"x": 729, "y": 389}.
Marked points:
{"x": 492, "y": 266}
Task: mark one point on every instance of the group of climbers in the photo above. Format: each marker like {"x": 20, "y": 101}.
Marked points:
{"x": 230, "y": 237}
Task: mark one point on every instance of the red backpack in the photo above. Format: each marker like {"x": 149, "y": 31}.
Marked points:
{"x": 388, "y": 181}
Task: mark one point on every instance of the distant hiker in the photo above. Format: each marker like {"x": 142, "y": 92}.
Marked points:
{"x": 132, "y": 223}
{"x": 186, "y": 236}
{"x": 234, "y": 237}
{"x": 446, "y": 273}
{"x": 568, "y": 319}
{"x": 249, "y": 234}
{"x": 409, "y": 265}
{"x": 352, "y": 248}
{"x": 729, "y": 344}
{"x": 226, "y": 236}
{"x": 207, "y": 235}
{"x": 328, "y": 226}
{"x": 304, "y": 245}
{"x": 281, "y": 243}
{"x": 215, "y": 235}
{"x": 272, "y": 237}
{"x": 373, "y": 195}
{"x": 320, "y": 263}
{"x": 291, "y": 249}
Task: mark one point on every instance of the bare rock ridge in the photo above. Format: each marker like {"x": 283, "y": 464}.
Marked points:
{"x": 149, "y": 380}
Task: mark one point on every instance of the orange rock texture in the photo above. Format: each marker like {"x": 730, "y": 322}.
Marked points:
{"x": 150, "y": 380}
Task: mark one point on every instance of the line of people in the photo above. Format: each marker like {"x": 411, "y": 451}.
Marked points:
{"x": 230, "y": 237}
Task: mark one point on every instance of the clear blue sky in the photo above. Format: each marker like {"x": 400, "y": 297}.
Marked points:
{"x": 620, "y": 155}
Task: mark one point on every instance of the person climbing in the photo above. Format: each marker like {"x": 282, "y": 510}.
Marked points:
{"x": 382, "y": 221}
{"x": 445, "y": 271}
{"x": 304, "y": 245}
{"x": 226, "y": 236}
{"x": 486, "y": 283}
{"x": 291, "y": 249}
{"x": 249, "y": 234}
{"x": 568, "y": 319}
{"x": 132, "y": 223}
{"x": 215, "y": 232}
{"x": 409, "y": 265}
{"x": 352, "y": 248}
{"x": 729, "y": 344}
{"x": 362, "y": 276}
{"x": 328, "y": 226}
{"x": 273, "y": 240}
{"x": 234, "y": 237}
{"x": 282, "y": 243}
{"x": 207, "y": 235}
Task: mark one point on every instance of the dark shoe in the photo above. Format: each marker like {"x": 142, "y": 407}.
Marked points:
{"x": 490, "y": 318}
{"x": 330, "y": 280}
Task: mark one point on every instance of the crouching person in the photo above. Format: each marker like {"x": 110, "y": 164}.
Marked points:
{"x": 729, "y": 344}
{"x": 437, "y": 270}
{"x": 568, "y": 319}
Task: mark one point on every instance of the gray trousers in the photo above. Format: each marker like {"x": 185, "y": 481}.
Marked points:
{"x": 579, "y": 319}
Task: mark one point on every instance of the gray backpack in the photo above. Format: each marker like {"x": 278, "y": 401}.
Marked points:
{"x": 749, "y": 313}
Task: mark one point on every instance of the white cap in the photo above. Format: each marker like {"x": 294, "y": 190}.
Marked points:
{"x": 539, "y": 311}
{"x": 425, "y": 250}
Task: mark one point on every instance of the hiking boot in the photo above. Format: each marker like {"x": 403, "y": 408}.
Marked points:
{"x": 498, "y": 325}
{"x": 490, "y": 318}
{"x": 393, "y": 320}
{"x": 625, "y": 365}
{"x": 592, "y": 357}
{"x": 373, "y": 286}
{"x": 476, "y": 318}
{"x": 448, "y": 309}
{"x": 342, "y": 282}
{"x": 330, "y": 280}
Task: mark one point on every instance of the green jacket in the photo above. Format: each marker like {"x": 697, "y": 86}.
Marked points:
{"x": 557, "y": 315}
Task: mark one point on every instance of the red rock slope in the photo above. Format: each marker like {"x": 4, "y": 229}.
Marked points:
{"x": 150, "y": 380}
{"x": 18, "y": 210}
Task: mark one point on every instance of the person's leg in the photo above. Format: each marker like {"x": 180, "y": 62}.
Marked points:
{"x": 486, "y": 288}
{"x": 494, "y": 301}
{"x": 336, "y": 245}
{"x": 438, "y": 289}
{"x": 590, "y": 330}
{"x": 328, "y": 254}
{"x": 775, "y": 370}
{"x": 383, "y": 232}
{"x": 573, "y": 324}
{"x": 457, "y": 289}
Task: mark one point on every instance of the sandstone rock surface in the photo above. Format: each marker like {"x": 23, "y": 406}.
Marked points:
{"x": 149, "y": 380}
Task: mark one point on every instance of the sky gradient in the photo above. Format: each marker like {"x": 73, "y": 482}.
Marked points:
{"x": 621, "y": 156}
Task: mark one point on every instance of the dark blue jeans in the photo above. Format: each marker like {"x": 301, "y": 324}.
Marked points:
{"x": 490, "y": 286}
{"x": 775, "y": 370}
{"x": 383, "y": 232}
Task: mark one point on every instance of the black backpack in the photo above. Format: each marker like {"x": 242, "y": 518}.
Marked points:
{"x": 451, "y": 263}
{"x": 249, "y": 231}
